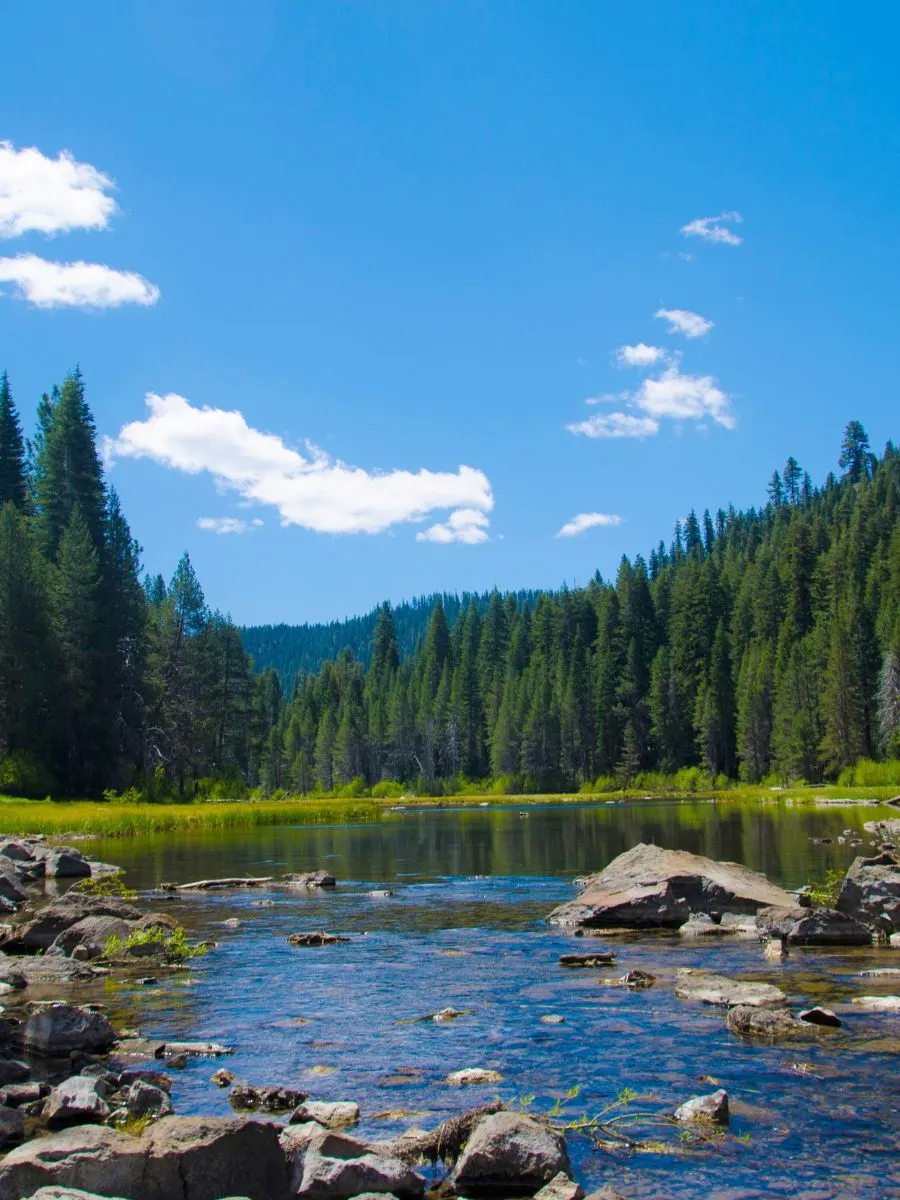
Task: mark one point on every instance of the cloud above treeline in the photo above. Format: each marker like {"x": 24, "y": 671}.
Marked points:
{"x": 227, "y": 524}
{"x": 581, "y": 522}
{"x": 312, "y": 490}
{"x": 53, "y": 196}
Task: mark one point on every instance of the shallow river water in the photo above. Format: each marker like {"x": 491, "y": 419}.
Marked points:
{"x": 466, "y": 928}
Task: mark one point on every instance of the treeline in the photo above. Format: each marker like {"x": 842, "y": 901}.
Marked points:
{"x": 105, "y": 682}
{"x": 757, "y": 644}
{"x": 296, "y": 649}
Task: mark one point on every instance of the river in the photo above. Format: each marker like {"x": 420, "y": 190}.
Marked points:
{"x": 465, "y": 927}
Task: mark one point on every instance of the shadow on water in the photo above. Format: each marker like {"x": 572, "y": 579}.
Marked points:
{"x": 465, "y": 928}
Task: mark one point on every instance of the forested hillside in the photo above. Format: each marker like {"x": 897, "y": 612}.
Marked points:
{"x": 755, "y": 643}
{"x": 104, "y": 683}
{"x": 293, "y": 649}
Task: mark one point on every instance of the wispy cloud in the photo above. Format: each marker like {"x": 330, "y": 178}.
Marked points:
{"x": 227, "y": 524}
{"x": 48, "y": 284}
{"x": 640, "y": 355}
{"x": 615, "y": 425}
{"x": 681, "y": 320}
{"x": 314, "y": 491}
{"x": 50, "y": 195}
{"x": 465, "y": 525}
{"x": 714, "y": 229}
{"x": 584, "y": 521}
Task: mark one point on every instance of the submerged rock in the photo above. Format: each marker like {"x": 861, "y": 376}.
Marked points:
{"x": 713, "y": 1108}
{"x": 330, "y": 1114}
{"x": 650, "y": 886}
{"x": 771, "y": 1025}
{"x": 310, "y": 879}
{"x": 820, "y": 1016}
{"x": 264, "y": 1099}
{"x": 720, "y": 990}
{"x": 871, "y": 892}
{"x": 473, "y": 1075}
{"x": 601, "y": 958}
{"x": 797, "y": 926}
{"x": 222, "y": 1078}
{"x": 878, "y": 1003}
{"x": 316, "y": 938}
{"x": 510, "y": 1151}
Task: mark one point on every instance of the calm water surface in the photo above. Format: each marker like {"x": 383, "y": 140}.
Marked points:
{"x": 466, "y": 928}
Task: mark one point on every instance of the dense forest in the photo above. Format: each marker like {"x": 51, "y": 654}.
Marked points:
{"x": 105, "y": 681}
{"x": 756, "y": 645}
{"x": 297, "y": 649}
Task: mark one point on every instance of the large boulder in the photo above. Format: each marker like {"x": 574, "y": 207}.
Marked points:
{"x": 510, "y": 1152}
{"x": 797, "y": 926}
{"x": 56, "y": 1030}
{"x": 42, "y": 930}
{"x": 65, "y": 862}
{"x": 180, "y": 1158}
{"x": 41, "y": 971}
{"x": 720, "y": 990}
{"x": 332, "y": 1115}
{"x": 87, "y": 938}
{"x": 649, "y": 886}
{"x": 77, "y": 1101}
{"x": 871, "y": 892}
{"x": 90, "y": 1157}
{"x": 336, "y": 1167}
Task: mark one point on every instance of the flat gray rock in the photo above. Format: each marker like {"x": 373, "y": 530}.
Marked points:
{"x": 797, "y": 926}
{"x": 725, "y": 992}
{"x": 651, "y": 887}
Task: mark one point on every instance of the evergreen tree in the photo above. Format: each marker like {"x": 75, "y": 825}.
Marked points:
{"x": 12, "y": 449}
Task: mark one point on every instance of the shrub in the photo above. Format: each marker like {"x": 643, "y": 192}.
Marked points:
{"x": 866, "y": 773}
{"x": 110, "y": 886}
{"x": 175, "y": 945}
{"x": 825, "y": 894}
{"x": 388, "y": 789}
{"x": 21, "y": 775}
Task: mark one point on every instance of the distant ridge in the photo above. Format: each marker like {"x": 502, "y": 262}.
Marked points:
{"x": 292, "y": 648}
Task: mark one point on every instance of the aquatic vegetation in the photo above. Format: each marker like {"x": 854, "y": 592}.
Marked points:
{"x": 107, "y": 887}
{"x": 174, "y": 943}
{"x": 824, "y": 893}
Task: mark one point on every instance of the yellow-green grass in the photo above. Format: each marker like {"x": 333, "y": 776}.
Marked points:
{"x": 123, "y": 819}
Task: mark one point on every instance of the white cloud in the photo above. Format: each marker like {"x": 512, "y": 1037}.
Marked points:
{"x": 681, "y": 397}
{"x": 50, "y": 195}
{"x": 583, "y": 521}
{"x": 691, "y": 324}
{"x": 317, "y": 492}
{"x": 640, "y": 355}
{"x": 77, "y": 284}
{"x": 465, "y": 525}
{"x": 616, "y": 425}
{"x": 713, "y": 229}
{"x": 226, "y": 524}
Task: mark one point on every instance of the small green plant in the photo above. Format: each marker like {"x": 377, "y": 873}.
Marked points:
{"x": 825, "y": 894}
{"x": 174, "y": 943}
{"x": 132, "y": 1125}
{"x": 108, "y": 887}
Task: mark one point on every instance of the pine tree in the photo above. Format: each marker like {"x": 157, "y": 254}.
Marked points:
{"x": 855, "y": 452}
{"x": 68, "y": 474}
{"x": 12, "y": 450}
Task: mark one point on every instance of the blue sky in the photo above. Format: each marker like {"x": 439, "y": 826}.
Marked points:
{"x": 375, "y": 260}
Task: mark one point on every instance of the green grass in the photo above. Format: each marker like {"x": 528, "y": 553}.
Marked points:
{"x": 127, "y": 819}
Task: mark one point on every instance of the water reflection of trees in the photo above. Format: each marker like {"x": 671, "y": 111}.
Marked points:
{"x": 564, "y": 841}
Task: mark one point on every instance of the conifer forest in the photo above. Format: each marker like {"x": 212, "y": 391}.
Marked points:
{"x": 754, "y": 645}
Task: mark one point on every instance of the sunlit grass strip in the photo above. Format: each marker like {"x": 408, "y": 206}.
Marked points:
{"x": 112, "y": 819}
{"x": 129, "y": 820}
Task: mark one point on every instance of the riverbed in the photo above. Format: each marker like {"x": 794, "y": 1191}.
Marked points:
{"x": 464, "y": 927}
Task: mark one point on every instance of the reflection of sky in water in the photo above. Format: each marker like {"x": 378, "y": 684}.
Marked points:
{"x": 450, "y": 937}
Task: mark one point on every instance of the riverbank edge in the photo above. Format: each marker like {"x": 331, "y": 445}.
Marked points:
{"x": 114, "y": 819}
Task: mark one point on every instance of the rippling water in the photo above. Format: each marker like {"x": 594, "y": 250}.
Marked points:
{"x": 465, "y": 928}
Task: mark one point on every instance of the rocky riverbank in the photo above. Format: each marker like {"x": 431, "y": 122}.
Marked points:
{"x": 85, "y": 1105}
